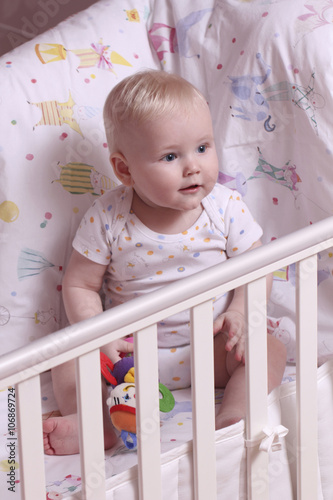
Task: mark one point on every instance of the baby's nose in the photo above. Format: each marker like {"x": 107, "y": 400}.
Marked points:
{"x": 192, "y": 167}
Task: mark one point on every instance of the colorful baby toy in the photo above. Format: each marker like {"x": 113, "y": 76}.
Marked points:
{"x": 122, "y": 402}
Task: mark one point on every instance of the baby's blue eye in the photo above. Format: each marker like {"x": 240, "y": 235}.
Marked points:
{"x": 169, "y": 157}
{"x": 202, "y": 148}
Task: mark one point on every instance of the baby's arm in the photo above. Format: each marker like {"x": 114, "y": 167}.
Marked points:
{"x": 81, "y": 285}
{"x": 82, "y": 282}
{"x": 232, "y": 322}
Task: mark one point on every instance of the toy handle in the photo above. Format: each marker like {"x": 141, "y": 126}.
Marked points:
{"x": 106, "y": 368}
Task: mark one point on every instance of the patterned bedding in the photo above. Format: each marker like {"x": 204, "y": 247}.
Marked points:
{"x": 265, "y": 67}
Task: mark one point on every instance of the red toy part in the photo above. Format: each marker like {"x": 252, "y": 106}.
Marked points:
{"x": 106, "y": 368}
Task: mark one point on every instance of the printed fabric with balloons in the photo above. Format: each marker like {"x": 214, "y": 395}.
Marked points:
{"x": 268, "y": 86}
{"x": 265, "y": 68}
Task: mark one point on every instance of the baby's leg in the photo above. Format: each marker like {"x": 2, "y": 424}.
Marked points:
{"x": 61, "y": 433}
{"x": 230, "y": 374}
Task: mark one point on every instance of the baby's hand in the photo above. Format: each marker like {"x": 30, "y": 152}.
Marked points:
{"x": 116, "y": 348}
{"x": 232, "y": 323}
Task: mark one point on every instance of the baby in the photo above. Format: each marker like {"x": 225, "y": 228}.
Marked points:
{"x": 167, "y": 220}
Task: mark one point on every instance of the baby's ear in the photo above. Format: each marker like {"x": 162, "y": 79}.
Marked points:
{"x": 120, "y": 168}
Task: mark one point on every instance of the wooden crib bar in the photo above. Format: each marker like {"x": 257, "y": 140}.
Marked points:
{"x": 256, "y": 387}
{"x": 89, "y": 399}
{"x": 306, "y": 378}
{"x": 147, "y": 413}
{"x": 84, "y": 340}
{"x": 203, "y": 396}
{"x": 30, "y": 439}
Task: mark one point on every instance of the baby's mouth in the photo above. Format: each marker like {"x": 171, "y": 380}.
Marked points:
{"x": 193, "y": 187}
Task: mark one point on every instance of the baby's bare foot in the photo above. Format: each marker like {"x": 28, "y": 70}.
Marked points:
{"x": 60, "y": 435}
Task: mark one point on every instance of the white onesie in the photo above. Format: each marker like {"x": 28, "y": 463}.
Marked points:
{"x": 140, "y": 260}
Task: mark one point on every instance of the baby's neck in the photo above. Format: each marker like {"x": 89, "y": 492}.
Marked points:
{"x": 163, "y": 220}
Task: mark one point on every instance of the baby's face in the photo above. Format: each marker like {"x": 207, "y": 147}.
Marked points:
{"x": 172, "y": 160}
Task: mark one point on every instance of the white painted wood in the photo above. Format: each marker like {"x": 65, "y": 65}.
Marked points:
{"x": 147, "y": 414}
{"x": 256, "y": 388}
{"x": 90, "y": 335}
{"x": 89, "y": 401}
{"x": 75, "y": 340}
{"x": 306, "y": 379}
{"x": 203, "y": 402}
{"x": 30, "y": 439}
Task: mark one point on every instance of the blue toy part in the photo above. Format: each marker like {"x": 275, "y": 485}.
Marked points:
{"x": 129, "y": 439}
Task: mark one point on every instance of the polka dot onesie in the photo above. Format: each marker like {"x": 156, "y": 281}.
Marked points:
{"x": 140, "y": 260}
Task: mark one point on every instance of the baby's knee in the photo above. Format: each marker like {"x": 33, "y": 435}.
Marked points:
{"x": 276, "y": 345}
{"x": 232, "y": 363}
{"x": 220, "y": 356}
{"x": 277, "y": 351}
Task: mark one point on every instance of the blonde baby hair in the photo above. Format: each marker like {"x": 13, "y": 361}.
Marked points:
{"x": 145, "y": 96}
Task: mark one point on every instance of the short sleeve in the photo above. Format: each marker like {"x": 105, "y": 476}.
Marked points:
{"x": 92, "y": 238}
{"x": 241, "y": 229}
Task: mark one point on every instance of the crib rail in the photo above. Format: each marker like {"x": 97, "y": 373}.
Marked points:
{"x": 83, "y": 341}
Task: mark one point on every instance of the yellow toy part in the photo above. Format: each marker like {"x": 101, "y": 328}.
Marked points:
{"x": 129, "y": 377}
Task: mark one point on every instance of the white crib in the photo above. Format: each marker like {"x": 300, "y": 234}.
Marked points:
{"x": 83, "y": 341}
{"x": 265, "y": 68}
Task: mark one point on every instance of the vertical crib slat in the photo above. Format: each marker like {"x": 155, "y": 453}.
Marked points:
{"x": 256, "y": 383}
{"x": 30, "y": 437}
{"x": 147, "y": 413}
{"x": 306, "y": 379}
{"x": 89, "y": 395}
{"x": 203, "y": 397}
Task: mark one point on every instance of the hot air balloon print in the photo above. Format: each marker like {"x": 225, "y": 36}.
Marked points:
{"x": 285, "y": 176}
{"x": 32, "y": 263}
{"x": 57, "y": 113}
{"x": 50, "y": 52}
{"x": 9, "y": 211}
{"x": 304, "y": 98}
{"x": 97, "y": 55}
{"x": 81, "y": 178}
{"x": 40, "y": 317}
{"x": 165, "y": 38}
